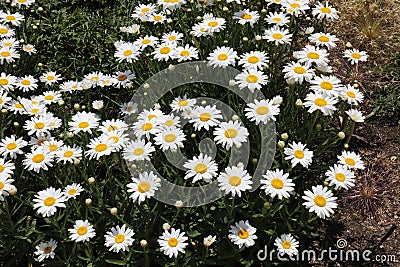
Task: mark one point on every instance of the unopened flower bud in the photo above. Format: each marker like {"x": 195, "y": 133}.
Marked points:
{"x": 166, "y": 226}
{"x": 284, "y": 136}
{"x": 88, "y": 202}
{"x": 341, "y": 135}
{"x": 114, "y": 211}
{"x": 143, "y": 243}
{"x": 281, "y": 144}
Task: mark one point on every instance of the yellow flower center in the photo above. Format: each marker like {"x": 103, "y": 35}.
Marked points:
{"x": 231, "y": 133}
{"x": 340, "y": 177}
{"x": 323, "y": 39}
{"x": 350, "y": 161}
{"x": 277, "y": 36}
{"x": 83, "y": 125}
{"x": 185, "y": 53}
{"x": 356, "y": 55}
{"x": 170, "y": 138}
{"x": 46, "y": 250}
{"x": 18, "y": 105}
{"x": 82, "y": 230}
{"x": 235, "y": 180}
{"x": 5, "y": 54}
{"x": 10, "y": 17}
{"x": 49, "y": 97}
{"x": 251, "y": 78}
{"x": 119, "y": 238}
{"x": 68, "y": 154}
{"x": 122, "y": 77}
{"x": 320, "y": 102}
{"x": 326, "y": 85}
{"x": 11, "y": 146}
{"x": 213, "y": 24}
{"x": 325, "y": 10}
{"x": 157, "y": 18}
{"x": 53, "y": 147}
{"x": 3, "y": 31}
{"x": 286, "y": 244}
{"x": 146, "y": 9}
{"x": 147, "y": 126}
{"x": 200, "y": 168}
{"x": 146, "y": 41}
{"x": 169, "y": 123}
{"x": 173, "y": 242}
{"x": 222, "y": 57}
{"x": 50, "y": 78}
{"x": 127, "y": 53}
{"x": 313, "y": 55}
{"x": 1, "y": 168}
{"x": 243, "y": 234}
{"x": 112, "y": 128}
{"x": 26, "y": 82}
{"x": 38, "y": 158}
{"x": 35, "y": 111}
{"x": 172, "y": 38}
{"x": 277, "y": 183}
{"x": 143, "y": 187}
{"x": 277, "y": 19}
{"x": 299, "y": 154}
{"x": 246, "y": 16}
{"x": 138, "y": 151}
{"x": 299, "y": 70}
{"x": 165, "y": 50}
{"x": 262, "y": 110}
{"x": 49, "y": 201}
{"x": 351, "y": 94}
{"x": 1, "y": 185}
{"x": 114, "y": 138}
{"x": 72, "y": 192}
{"x": 320, "y": 201}
{"x": 295, "y": 5}
{"x": 3, "y": 81}
{"x": 151, "y": 116}
{"x": 205, "y": 116}
{"x": 101, "y": 147}
{"x": 253, "y": 59}
{"x": 8, "y": 44}
{"x": 183, "y": 103}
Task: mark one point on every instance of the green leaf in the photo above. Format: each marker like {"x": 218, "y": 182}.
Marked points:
{"x": 115, "y": 261}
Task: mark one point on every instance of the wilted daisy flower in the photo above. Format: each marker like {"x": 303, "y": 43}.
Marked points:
{"x": 340, "y": 177}
{"x": 83, "y": 231}
{"x": 119, "y": 238}
{"x": 127, "y": 52}
{"x": 209, "y": 240}
{"x": 328, "y": 85}
{"x": 205, "y": 117}
{"x": 320, "y": 200}
{"x": 295, "y": 7}
{"x": 234, "y": 180}
{"x": 144, "y": 187}
{"x": 311, "y": 54}
{"x": 30, "y": 49}
{"x": 246, "y": 16}
{"x": 298, "y": 153}
{"x": 351, "y": 160}
{"x": 73, "y": 190}
{"x": 352, "y": 95}
{"x": 45, "y": 249}
{"x": 128, "y": 108}
{"x": 98, "y": 104}
{"x": 185, "y": 53}
{"x": 8, "y": 55}
{"x": 277, "y": 183}
{"x": 252, "y": 79}
{"x": 164, "y": 51}
{"x": 182, "y": 103}
{"x": 242, "y": 233}
{"x": 254, "y": 59}
{"x": 5, "y": 31}
{"x": 355, "y": 56}
{"x": 146, "y": 41}
{"x": 222, "y": 57}
{"x": 277, "y": 35}
{"x": 279, "y": 19}
{"x": 326, "y": 11}
{"x": 231, "y": 133}
{"x": 7, "y": 81}
{"x": 323, "y": 39}
{"x": 295, "y": 72}
{"x": 39, "y": 158}
{"x": 355, "y": 115}
{"x": 170, "y": 138}
{"x": 100, "y": 146}
{"x": 10, "y": 146}
{"x": 83, "y": 122}
{"x": 138, "y": 150}
{"x": 318, "y": 101}
{"x": 261, "y": 111}
{"x": 124, "y": 78}
{"x": 47, "y": 201}
{"x": 5, "y": 185}
{"x": 287, "y": 244}
{"x": 173, "y": 243}
{"x": 202, "y": 167}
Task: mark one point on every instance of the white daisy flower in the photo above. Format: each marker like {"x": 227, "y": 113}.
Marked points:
{"x": 246, "y": 16}
{"x": 234, "y": 180}
{"x": 47, "y": 201}
{"x": 30, "y": 49}
{"x": 164, "y": 51}
{"x": 231, "y": 133}
{"x": 323, "y": 39}
{"x": 340, "y": 177}
{"x": 182, "y": 103}
{"x": 326, "y": 11}
{"x": 242, "y": 233}
{"x": 128, "y": 108}
{"x": 138, "y": 150}
{"x": 127, "y": 52}
{"x": 171, "y": 5}
{"x": 355, "y": 56}
{"x": 295, "y": 72}
{"x": 83, "y": 122}
{"x": 261, "y": 111}
{"x": 205, "y": 117}
{"x": 277, "y": 35}
{"x": 213, "y": 24}
{"x": 173, "y": 36}
{"x": 170, "y": 139}
{"x": 10, "y": 146}
{"x": 318, "y": 101}
{"x": 355, "y": 115}
{"x": 222, "y": 57}
{"x": 311, "y": 54}
{"x": 352, "y": 95}
{"x": 6, "y": 32}
{"x": 124, "y": 78}
{"x": 298, "y": 153}
{"x": 144, "y": 187}
{"x": 100, "y": 146}
{"x": 252, "y": 79}
{"x": 279, "y": 19}
{"x": 7, "y": 54}
{"x": 7, "y": 81}
{"x": 68, "y": 154}
{"x": 27, "y": 83}
{"x": 45, "y": 249}
{"x": 12, "y": 18}
{"x": 254, "y": 59}
{"x": 295, "y": 7}
{"x": 39, "y": 158}
{"x": 5, "y": 186}
{"x": 157, "y": 18}
{"x": 351, "y": 160}
{"x": 119, "y": 139}
{"x": 171, "y": 243}
{"x": 320, "y": 200}
{"x": 73, "y": 190}
{"x": 277, "y": 183}
{"x": 185, "y": 53}
{"x": 146, "y": 41}
{"x": 202, "y": 167}
{"x": 287, "y": 244}
{"x": 119, "y": 238}
{"x": 83, "y": 231}
{"x": 328, "y": 85}
{"x": 145, "y": 127}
